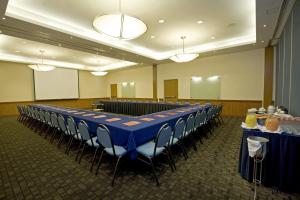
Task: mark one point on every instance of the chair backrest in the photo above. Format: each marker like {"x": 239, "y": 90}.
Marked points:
{"x": 72, "y": 125}
{"x": 62, "y": 124}
{"x": 190, "y": 123}
{"x": 36, "y": 114}
{"x": 203, "y": 117}
{"x": 47, "y": 117}
{"x": 54, "y": 120}
{"x": 41, "y": 114}
{"x": 197, "y": 119}
{"x": 104, "y": 137}
{"x": 84, "y": 131}
{"x": 210, "y": 113}
{"x": 179, "y": 129}
{"x": 163, "y": 136}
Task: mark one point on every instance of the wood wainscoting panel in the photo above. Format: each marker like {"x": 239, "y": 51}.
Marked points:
{"x": 236, "y": 108}
{"x": 10, "y": 108}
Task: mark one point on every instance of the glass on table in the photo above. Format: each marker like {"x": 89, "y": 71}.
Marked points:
{"x": 251, "y": 119}
{"x": 272, "y": 123}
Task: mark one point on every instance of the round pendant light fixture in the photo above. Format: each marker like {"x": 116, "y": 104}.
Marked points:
{"x": 42, "y": 67}
{"x": 184, "y": 57}
{"x": 120, "y": 25}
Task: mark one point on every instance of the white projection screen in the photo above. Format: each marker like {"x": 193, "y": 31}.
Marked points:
{"x": 56, "y": 84}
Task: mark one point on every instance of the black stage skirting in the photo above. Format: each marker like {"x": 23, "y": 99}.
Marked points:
{"x": 135, "y": 108}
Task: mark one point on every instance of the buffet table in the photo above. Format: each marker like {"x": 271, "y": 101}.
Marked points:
{"x": 127, "y": 131}
{"x": 281, "y": 167}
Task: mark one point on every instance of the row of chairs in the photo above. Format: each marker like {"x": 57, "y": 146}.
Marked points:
{"x": 56, "y": 126}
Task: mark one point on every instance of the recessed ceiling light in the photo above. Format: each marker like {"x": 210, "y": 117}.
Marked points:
{"x": 18, "y": 51}
{"x": 262, "y": 41}
{"x": 24, "y": 42}
{"x": 212, "y": 37}
{"x": 265, "y": 25}
{"x": 199, "y": 22}
{"x": 161, "y": 21}
{"x": 4, "y": 18}
{"x": 59, "y": 44}
{"x": 152, "y": 37}
{"x": 71, "y": 37}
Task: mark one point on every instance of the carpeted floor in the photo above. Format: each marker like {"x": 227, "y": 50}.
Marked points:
{"x": 32, "y": 168}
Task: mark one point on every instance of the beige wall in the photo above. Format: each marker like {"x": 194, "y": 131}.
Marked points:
{"x": 16, "y": 83}
{"x": 242, "y": 74}
{"x": 241, "y": 78}
{"x": 142, "y": 77}
{"x": 91, "y": 86}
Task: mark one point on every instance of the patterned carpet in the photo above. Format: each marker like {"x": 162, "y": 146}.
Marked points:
{"x": 32, "y": 168}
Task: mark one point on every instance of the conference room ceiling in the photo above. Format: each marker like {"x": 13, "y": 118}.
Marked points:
{"x": 27, "y": 51}
{"x": 228, "y": 26}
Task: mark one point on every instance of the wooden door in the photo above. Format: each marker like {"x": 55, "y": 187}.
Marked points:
{"x": 171, "y": 90}
{"x": 113, "y": 90}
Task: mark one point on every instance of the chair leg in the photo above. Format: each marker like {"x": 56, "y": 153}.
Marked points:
{"x": 81, "y": 153}
{"x": 53, "y": 135}
{"x": 183, "y": 150}
{"x": 200, "y": 138}
{"x": 79, "y": 149}
{"x": 154, "y": 172}
{"x": 70, "y": 145}
{"x": 60, "y": 140}
{"x": 99, "y": 162}
{"x": 94, "y": 157}
{"x": 115, "y": 171}
{"x": 171, "y": 160}
{"x": 193, "y": 142}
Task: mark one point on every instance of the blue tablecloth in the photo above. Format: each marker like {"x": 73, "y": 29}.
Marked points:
{"x": 281, "y": 167}
{"x": 128, "y": 136}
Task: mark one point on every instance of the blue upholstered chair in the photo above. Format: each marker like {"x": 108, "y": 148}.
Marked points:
{"x": 86, "y": 139}
{"x": 74, "y": 133}
{"x": 190, "y": 122}
{"x": 48, "y": 122}
{"x": 105, "y": 139}
{"x": 55, "y": 126}
{"x": 178, "y": 135}
{"x": 63, "y": 128}
{"x": 154, "y": 148}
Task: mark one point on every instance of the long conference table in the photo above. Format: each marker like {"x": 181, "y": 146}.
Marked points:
{"x": 281, "y": 167}
{"x": 127, "y": 131}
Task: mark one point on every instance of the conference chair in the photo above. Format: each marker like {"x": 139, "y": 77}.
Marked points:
{"x": 197, "y": 124}
{"x": 55, "y": 126}
{"x": 203, "y": 123}
{"x": 47, "y": 117}
{"x": 152, "y": 149}
{"x": 190, "y": 129}
{"x": 63, "y": 129}
{"x": 73, "y": 130}
{"x": 105, "y": 139}
{"x": 219, "y": 113}
{"x": 177, "y": 137}
{"x": 86, "y": 139}
{"x": 43, "y": 122}
{"x": 20, "y": 116}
